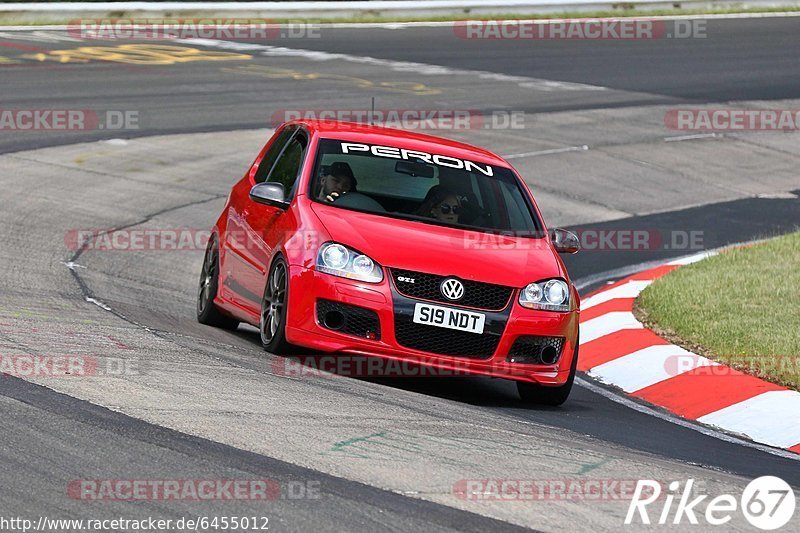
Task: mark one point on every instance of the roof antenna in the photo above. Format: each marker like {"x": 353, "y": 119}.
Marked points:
{"x": 372, "y": 111}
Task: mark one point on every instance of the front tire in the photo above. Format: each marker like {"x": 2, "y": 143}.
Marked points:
{"x": 274, "y": 309}
{"x": 535, "y": 394}
{"x": 207, "y": 312}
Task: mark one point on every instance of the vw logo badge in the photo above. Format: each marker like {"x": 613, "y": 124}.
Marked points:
{"x": 452, "y": 289}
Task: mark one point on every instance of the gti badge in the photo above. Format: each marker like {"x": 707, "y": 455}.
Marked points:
{"x": 452, "y": 289}
{"x": 405, "y": 280}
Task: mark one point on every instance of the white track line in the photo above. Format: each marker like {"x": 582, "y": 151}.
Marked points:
{"x": 623, "y": 400}
{"x": 692, "y": 137}
{"x": 688, "y": 260}
{"x": 648, "y": 366}
{"x": 607, "y": 324}
{"x": 632, "y": 289}
{"x": 581, "y": 148}
{"x": 772, "y": 417}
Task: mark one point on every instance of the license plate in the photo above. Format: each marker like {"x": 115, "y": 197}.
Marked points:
{"x": 444, "y": 317}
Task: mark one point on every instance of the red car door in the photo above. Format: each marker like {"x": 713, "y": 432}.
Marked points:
{"x": 239, "y": 268}
{"x": 260, "y": 226}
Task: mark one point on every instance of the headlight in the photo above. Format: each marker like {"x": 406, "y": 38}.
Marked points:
{"x": 339, "y": 260}
{"x": 550, "y": 295}
{"x": 334, "y": 256}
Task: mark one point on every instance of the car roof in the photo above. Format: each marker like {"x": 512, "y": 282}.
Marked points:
{"x": 371, "y": 134}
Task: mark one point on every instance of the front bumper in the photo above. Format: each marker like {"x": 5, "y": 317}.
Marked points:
{"x": 304, "y": 329}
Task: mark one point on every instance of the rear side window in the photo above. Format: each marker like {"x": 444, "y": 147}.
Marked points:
{"x": 287, "y": 167}
{"x": 272, "y": 154}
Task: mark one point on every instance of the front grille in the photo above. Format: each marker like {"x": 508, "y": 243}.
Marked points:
{"x": 444, "y": 341}
{"x": 476, "y": 294}
{"x": 356, "y": 320}
{"x": 528, "y": 349}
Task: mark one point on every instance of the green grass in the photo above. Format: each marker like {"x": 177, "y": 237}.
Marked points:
{"x": 740, "y": 308}
{"x": 367, "y": 17}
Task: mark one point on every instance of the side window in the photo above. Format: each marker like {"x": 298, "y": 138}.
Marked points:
{"x": 287, "y": 167}
{"x": 272, "y": 154}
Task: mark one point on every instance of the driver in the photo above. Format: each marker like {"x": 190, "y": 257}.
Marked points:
{"x": 335, "y": 180}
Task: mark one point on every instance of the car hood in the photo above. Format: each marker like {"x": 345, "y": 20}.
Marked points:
{"x": 470, "y": 255}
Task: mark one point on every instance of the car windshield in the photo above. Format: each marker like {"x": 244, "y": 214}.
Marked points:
{"x": 417, "y": 185}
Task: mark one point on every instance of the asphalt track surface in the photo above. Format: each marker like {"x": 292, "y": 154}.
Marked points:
{"x": 719, "y": 67}
{"x": 749, "y": 59}
{"x": 66, "y": 438}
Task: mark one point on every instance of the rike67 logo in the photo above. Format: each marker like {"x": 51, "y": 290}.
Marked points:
{"x": 767, "y": 503}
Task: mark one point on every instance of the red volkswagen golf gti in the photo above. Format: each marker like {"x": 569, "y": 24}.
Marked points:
{"x": 371, "y": 241}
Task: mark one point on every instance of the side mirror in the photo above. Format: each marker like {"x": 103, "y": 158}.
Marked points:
{"x": 565, "y": 242}
{"x": 269, "y": 193}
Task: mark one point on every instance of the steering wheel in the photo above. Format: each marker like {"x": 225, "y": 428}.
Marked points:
{"x": 357, "y": 200}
